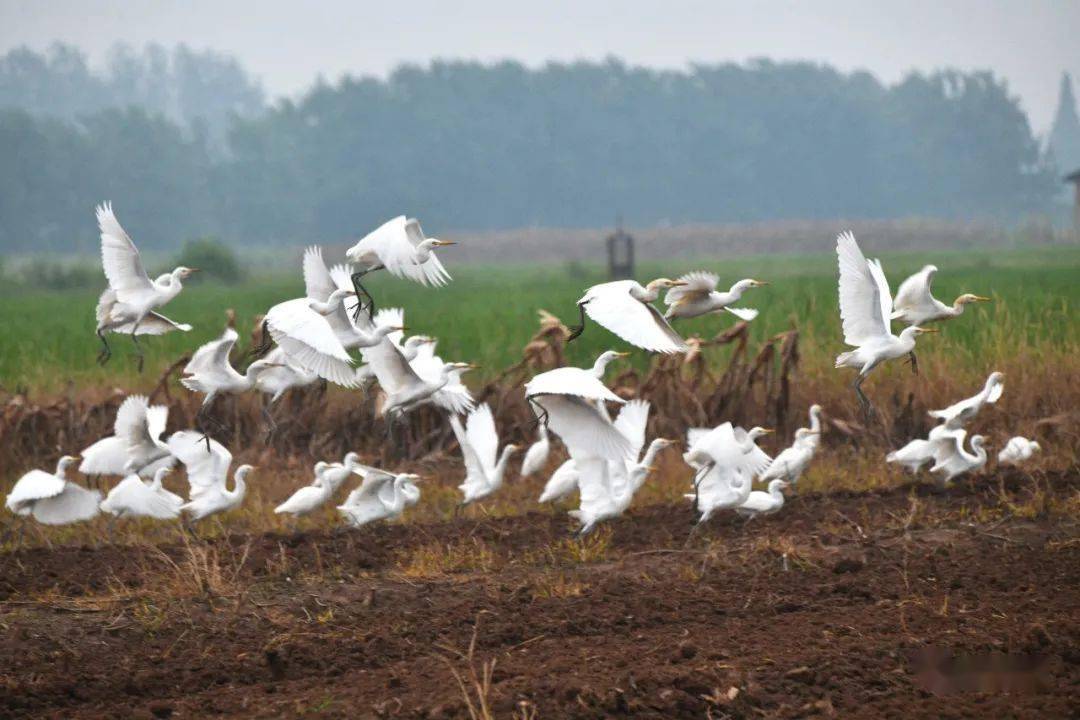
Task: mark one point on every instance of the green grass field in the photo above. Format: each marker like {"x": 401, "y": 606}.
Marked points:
{"x": 488, "y": 313}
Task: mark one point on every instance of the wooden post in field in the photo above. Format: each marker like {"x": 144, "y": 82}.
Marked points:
{"x": 620, "y": 253}
{"x": 1074, "y": 178}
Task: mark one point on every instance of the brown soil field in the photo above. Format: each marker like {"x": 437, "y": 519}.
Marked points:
{"x": 903, "y": 602}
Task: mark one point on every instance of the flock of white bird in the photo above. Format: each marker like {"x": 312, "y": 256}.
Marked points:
{"x": 609, "y": 460}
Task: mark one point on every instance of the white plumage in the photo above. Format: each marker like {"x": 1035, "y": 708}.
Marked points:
{"x": 406, "y": 388}
{"x": 1019, "y": 449}
{"x": 400, "y": 247}
{"x": 916, "y": 305}
{"x": 792, "y": 462}
{"x": 133, "y": 497}
{"x": 485, "y": 468}
{"x": 699, "y": 296}
{"x": 961, "y": 413}
{"x": 381, "y": 496}
{"x": 726, "y": 460}
{"x": 953, "y": 460}
{"x": 207, "y": 472}
{"x": 301, "y": 330}
{"x": 136, "y": 445}
{"x": 53, "y": 499}
{"x": 536, "y": 456}
{"x": 562, "y": 483}
{"x": 278, "y": 375}
{"x": 210, "y": 372}
{"x": 625, "y": 308}
{"x": 764, "y": 502}
{"x": 320, "y": 284}
{"x": 309, "y": 498}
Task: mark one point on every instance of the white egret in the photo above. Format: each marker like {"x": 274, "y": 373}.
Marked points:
{"x": 726, "y": 460}
{"x": 133, "y": 497}
{"x": 410, "y": 347}
{"x": 568, "y": 400}
{"x": 406, "y": 389}
{"x": 792, "y": 462}
{"x": 1019, "y": 449}
{"x": 913, "y": 456}
{"x": 453, "y": 395}
{"x": 53, "y": 499}
{"x": 865, "y": 307}
{"x": 915, "y": 305}
{"x": 279, "y": 375}
{"x": 381, "y": 496}
{"x": 960, "y": 413}
{"x": 953, "y": 460}
{"x": 536, "y": 456}
{"x": 625, "y": 308}
{"x": 309, "y": 498}
{"x": 128, "y": 306}
{"x": 400, "y": 247}
{"x": 337, "y": 473}
{"x": 699, "y": 296}
{"x": 320, "y": 285}
{"x": 764, "y": 503}
{"x": 562, "y": 483}
{"x": 136, "y": 446}
{"x": 301, "y": 330}
{"x": 207, "y": 469}
{"x": 485, "y": 468}
{"x": 814, "y": 438}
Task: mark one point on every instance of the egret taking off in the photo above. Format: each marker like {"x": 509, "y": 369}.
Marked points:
{"x": 133, "y": 497}
{"x": 954, "y": 460}
{"x": 961, "y": 413}
{"x": 1018, "y": 450}
{"x": 915, "y": 305}
{"x": 128, "y": 306}
{"x": 399, "y": 247}
{"x": 207, "y": 472}
{"x": 726, "y": 460}
{"x": 568, "y": 400}
{"x": 406, "y": 389}
{"x": 625, "y": 308}
{"x": 485, "y": 467}
{"x": 865, "y": 308}
{"x": 320, "y": 285}
{"x": 699, "y": 296}
{"x": 381, "y": 496}
{"x": 136, "y": 446}
{"x": 303, "y": 333}
{"x": 53, "y": 499}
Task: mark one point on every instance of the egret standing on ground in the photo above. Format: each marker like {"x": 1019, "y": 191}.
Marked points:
{"x": 954, "y": 460}
{"x": 485, "y": 468}
{"x": 399, "y": 247}
{"x": 207, "y": 471}
{"x": 764, "y": 503}
{"x": 625, "y": 308}
{"x": 128, "y": 306}
{"x": 865, "y": 308}
{"x": 53, "y": 499}
{"x": 336, "y": 473}
{"x": 1019, "y": 449}
{"x": 699, "y": 296}
{"x": 309, "y": 498}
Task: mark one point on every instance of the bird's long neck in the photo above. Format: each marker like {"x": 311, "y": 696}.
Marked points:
{"x": 239, "y": 488}
{"x": 61, "y": 470}
{"x": 500, "y": 466}
{"x": 423, "y": 250}
{"x": 736, "y": 290}
{"x": 647, "y": 294}
{"x": 651, "y": 452}
{"x": 398, "y": 502}
{"x": 170, "y": 284}
{"x": 907, "y": 337}
{"x": 815, "y": 422}
{"x": 600, "y": 366}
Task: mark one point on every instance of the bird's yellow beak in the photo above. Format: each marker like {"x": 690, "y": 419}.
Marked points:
{"x": 980, "y": 298}
{"x": 193, "y": 270}
{"x": 760, "y": 283}
{"x": 767, "y": 431}
{"x": 678, "y": 283}
{"x": 474, "y": 366}
{"x": 441, "y": 243}
{"x": 402, "y": 328}
{"x": 929, "y": 330}
{"x": 622, "y": 354}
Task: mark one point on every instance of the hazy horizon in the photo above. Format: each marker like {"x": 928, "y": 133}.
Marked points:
{"x": 289, "y": 47}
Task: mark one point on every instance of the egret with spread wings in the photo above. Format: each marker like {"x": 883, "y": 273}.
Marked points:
{"x": 136, "y": 446}
{"x": 698, "y": 296}
{"x": 865, "y": 308}
{"x": 52, "y": 499}
{"x": 381, "y": 496}
{"x": 625, "y": 308}
{"x": 207, "y": 472}
{"x": 129, "y": 305}
{"x": 485, "y": 467}
{"x": 133, "y": 498}
{"x": 916, "y": 305}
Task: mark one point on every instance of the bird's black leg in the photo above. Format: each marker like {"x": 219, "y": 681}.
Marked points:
{"x": 106, "y": 351}
{"x": 138, "y": 348}
{"x": 271, "y": 426}
{"x": 202, "y": 420}
{"x": 541, "y": 417}
{"x": 576, "y": 330}
{"x": 864, "y": 402}
{"x": 914, "y": 362}
{"x": 362, "y": 291}
{"x": 264, "y": 345}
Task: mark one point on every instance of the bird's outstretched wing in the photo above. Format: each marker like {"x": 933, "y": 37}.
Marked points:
{"x": 638, "y": 323}
{"x": 391, "y": 317}
{"x": 432, "y": 271}
{"x": 571, "y": 381}
{"x": 319, "y": 284}
{"x": 914, "y": 294}
{"x": 476, "y": 473}
{"x": 74, "y": 504}
{"x": 480, "y": 429}
{"x": 206, "y": 469}
{"x": 132, "y": 423}
{"x": 120, "y": 258}
{"x": 745, "y": 314}
{"x": 698, "y": 284}
{"x": 595, "y": 486}
{"x": 865, "y": 301}
{"x": 631, "y": 422}
{"x": 584, "y": 430}
{"x": 391, "y": 368}
{"x": 213, "y": 357}
{"x": 309, "y": 342}
{"x": 34, "y": 485}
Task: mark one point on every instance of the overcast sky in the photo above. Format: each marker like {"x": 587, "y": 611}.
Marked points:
{"x": 287, "y": 43}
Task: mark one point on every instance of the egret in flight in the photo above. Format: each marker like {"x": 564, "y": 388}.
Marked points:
{"x": 406, "y": 388}
{"x": 915, "y": 305}
{"x": 320, "y": 284}
{"x": 961, "y": 413}
{"x": 279, "y": 375}
{"x": 336, "y": 473}
{"x": 625, "y": 308}
{"x": 136, "y": 446}
{"x": 1018, "y": 450}
{"x": 954, "y": 460}
{"x": 381, "y": 496}
{"x": 569, "y": 401}
{"x": 400, "y": 247}
{"x": 699, "y": 296}
{"x": 865, "y": 309}
{"x": 129, "y": 305}
{"x": 302, "y": 331}
{"x": 485, "y": 467}
{"x": 53, "y": 499}
{"x": 133, "y": 497}
{"x": 207, "y": 473}
{"x": 409, "y": 347}
{"x": 309, "y": 498}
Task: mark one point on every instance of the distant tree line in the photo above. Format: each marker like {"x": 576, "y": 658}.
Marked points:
{"x": 464, "y": 145}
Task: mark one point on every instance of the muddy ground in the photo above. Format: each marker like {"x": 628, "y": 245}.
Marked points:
{"x": 900, "y": 604}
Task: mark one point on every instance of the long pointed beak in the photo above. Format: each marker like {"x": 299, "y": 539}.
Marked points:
{"x": 193, "y": 270}
{"x": 441, "y": 243}
{"x": 980, "y": 298}
{"x": 622, "y": 354}
{"x": 679, "y": 283}
{"x": 767, "y": 431}
{"x": 930, "y": 330}
{"x": 761, "y": 283}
